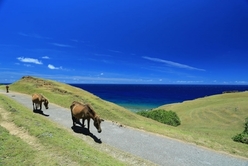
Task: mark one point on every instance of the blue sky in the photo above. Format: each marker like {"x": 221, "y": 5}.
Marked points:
{"x": 125, "y": 41}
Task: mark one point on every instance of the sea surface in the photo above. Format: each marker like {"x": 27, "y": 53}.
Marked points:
{"x": 144, "y": 97}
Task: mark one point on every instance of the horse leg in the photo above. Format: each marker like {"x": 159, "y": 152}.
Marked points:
{"x": 40, "y": 105}
{"x": 88, "y": 124}
{"x": 73, "y": 119}
{"x": 83, "y": 122}
{"x": 35, "y": 106}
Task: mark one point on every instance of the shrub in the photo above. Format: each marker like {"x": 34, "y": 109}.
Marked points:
{"x": 163, "y": 116}
{"x": 246, "y": 126}
{"x": 242, "y": 137}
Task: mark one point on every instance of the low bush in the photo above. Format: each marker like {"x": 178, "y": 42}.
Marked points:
{"x": 163, "y": 116}
{"x": 242, "y": 137}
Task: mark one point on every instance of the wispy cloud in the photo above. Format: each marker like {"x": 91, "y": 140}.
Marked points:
{"x": 241, "y": 82}
{"x": 74, "y": 40}
{"x": 173, "y": 64}
{"x": 45, "y": 57}
{"x": 61, "y": 45}
{"x": 189, "y": 82}
{"x": 33, "y": 35}
{"x": 29, "y": 60}
{"x": 102, "y": 55}
{"x": 27, "y": 65}
{"x": 105, "y": 79}
{"x": 53, "y": 67}
{"x": 115, "y": 51}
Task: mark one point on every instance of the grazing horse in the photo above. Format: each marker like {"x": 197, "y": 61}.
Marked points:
{"x": 84, "y": 111}
{"x": 37, "y": 100}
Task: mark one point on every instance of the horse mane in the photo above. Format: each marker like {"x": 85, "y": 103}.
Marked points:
{"x": 76, "y": 102}
{"x": 43, "y": 98}
{"x": 91, "y": 110}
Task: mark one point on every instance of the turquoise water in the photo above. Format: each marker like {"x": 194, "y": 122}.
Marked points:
{"x": 145, "y": 97}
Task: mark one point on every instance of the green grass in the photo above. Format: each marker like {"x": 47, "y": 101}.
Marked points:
{"x": 14, "y": 151}
{"x": 163, "y": 116}
{"x": 64, "y": 95}
{"x": 213, "y": 121}
{"x": 210, "y": 122}
{"x": 61, "y": 145}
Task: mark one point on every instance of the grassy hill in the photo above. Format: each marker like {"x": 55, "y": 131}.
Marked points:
{"x": 28, "y": 139}
{"x": 214, "y": 120}
{"x": 64, "y": 94}
{"x": 209, "y": 121}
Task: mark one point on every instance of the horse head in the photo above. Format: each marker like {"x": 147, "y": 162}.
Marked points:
{"x": 97, "y": 123}
{"x": 46, "y": 103}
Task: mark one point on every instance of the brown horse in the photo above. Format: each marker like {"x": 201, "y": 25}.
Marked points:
{"x": 84, "y": 111}
{"x": 38, "y": 99}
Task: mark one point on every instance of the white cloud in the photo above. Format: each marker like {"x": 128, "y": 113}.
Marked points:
{"x": 23, "y": 34}
{"x": 173, "y": 64}
{"x": 115, "y": 51}
{"x": 33, "y": 35}
{"x": 45, "y": 57}
{"x": 29, "y": 60}
{"x": 74, "y": 40}
{"x": 27, "y": 65}
{"x": 53, "y": 67}
{"x": 241, "y": 82}
{"x": 60, "y": 45}
{"x": 189, "y": 82}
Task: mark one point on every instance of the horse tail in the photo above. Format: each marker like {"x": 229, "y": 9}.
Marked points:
{"x": 72, "y": 105}
{"x": 72, "y": 117}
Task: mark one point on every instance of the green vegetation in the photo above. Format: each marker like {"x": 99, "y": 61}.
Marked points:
{"x": 213, "y": 121}
{"x": 51, "y": 144}
{"x": 14, "y": 151}
{"x": 242, "y": 137}
{"x": 210, "y": 121}
{"x": 163, "y": 116}
{"x": 64, "y": 95}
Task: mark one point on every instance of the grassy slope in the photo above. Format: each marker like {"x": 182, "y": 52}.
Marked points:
{"x": 214, "y": 120}
{"x": 209, "y": 121}
{"x": 11, "y": 147}
{"x": 64, "y": 94}
{"x": 57, "y": 145}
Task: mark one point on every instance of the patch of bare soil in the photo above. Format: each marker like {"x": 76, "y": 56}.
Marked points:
{"x": 32, "y": 141}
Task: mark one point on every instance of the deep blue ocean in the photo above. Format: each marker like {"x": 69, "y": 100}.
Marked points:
{"x": 143, "y": 97}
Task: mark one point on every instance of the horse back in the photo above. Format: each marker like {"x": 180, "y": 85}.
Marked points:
{"x": 79, "y": 110}
{"x": 36, "y": 98}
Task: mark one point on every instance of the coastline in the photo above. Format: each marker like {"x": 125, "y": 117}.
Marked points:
{"x": 137, "y": 107}
{"x": 145, "y": 97}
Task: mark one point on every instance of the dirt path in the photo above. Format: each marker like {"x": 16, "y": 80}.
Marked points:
{"x": 32, "y": 141}
{"x": 156, "y": 149}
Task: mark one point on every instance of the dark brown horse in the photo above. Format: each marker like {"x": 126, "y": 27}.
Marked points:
{"x": 84, "y": 111}
{"x": 37, "y": 100}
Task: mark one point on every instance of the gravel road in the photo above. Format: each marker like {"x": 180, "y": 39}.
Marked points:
{"x": 157, "y": 149}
